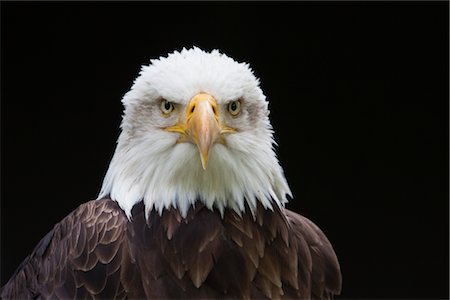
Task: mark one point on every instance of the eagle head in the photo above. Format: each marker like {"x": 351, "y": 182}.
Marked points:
{"x": 195, "y": 128}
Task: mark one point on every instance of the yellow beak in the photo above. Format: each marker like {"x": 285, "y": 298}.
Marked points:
{"x": 202, "y": 125}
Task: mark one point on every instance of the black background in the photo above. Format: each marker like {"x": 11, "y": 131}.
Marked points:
{"x": 359, "y": 102}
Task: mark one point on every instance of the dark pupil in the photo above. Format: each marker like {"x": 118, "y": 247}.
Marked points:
{"x": 233, "y": 106}
{"x": 167, "y": 105}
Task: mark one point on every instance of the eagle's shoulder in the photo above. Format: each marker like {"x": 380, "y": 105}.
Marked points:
{"x": 87, "y": 242}
{"x": 317, "y": 256}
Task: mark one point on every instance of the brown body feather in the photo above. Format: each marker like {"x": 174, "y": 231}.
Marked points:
{"x": 95, "y": 252}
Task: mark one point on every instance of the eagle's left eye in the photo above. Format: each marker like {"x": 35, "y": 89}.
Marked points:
{"x": 234, "y": 107}
{"x": 166, "y": 107}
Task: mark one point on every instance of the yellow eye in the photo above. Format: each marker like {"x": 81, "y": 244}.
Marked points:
{"x": 166, "y": 107}
{"x": 234, "y": 107}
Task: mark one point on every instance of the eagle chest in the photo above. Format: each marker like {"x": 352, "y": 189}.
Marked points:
{"x": 206, "y": 255}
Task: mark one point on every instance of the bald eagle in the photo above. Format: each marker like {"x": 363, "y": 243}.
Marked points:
{"x": 192, "y": 205}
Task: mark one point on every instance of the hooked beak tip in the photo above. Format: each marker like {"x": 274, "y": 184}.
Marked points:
{"x": 204, "y": 159}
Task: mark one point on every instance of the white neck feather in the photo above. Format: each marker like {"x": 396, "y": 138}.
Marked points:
{"x": 163, "y": 173}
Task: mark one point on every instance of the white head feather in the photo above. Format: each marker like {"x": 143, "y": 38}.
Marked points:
{"x": 150, "y": 164}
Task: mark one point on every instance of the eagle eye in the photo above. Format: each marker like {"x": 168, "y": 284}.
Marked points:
{"x": 234, "y": 107}
{"x": 166, "y": 107}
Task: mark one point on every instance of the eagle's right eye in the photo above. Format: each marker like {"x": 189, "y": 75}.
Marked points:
{"x": 166, "y": 107}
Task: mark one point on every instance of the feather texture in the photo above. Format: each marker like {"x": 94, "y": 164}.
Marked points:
{"x": 95, "y": 252}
